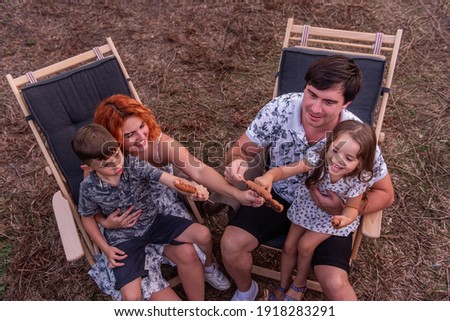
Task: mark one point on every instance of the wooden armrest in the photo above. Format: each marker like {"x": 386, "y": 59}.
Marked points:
{"x": 67, "y": 228}
{"x": 193, "y": 208}
{"x": 371, "y": 224}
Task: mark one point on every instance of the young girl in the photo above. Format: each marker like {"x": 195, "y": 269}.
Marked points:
{"x": 344, "y": 166}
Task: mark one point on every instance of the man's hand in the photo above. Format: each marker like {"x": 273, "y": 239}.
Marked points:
{"x": 250, "y": 198}
{"x": 234, "y": 172}
{"x": 117, "y": 220}
{"x": 330, "y": 203}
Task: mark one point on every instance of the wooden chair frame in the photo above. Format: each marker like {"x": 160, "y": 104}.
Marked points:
{"x": 347, "y": 43}
{"x": 75, "y": 240}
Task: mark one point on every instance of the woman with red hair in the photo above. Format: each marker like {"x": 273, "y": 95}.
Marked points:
{"x": 134, "y": 126}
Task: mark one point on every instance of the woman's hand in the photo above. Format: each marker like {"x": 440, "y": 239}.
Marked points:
{"x": 117, "y": 220}
{"x": 330, "y": 203}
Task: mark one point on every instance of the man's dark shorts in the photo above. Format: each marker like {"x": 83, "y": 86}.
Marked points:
{"x": 164, "y": 230}
{"x": 266, "y": 224}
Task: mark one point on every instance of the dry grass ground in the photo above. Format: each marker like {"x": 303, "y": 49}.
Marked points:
{"x": 207, "y": 69}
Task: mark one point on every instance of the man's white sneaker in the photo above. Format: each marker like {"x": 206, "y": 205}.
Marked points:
{"x": 253, "y": 292}
{"x": 217, "y": 279}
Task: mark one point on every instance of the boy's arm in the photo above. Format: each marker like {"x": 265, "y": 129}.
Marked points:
{"x": 112, "y": 253}
{"x": 169, "y": 180}
{"x": 90, "y": 224}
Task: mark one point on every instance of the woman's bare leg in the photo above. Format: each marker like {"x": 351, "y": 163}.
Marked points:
{"x": 166, "y": 294}
{"x": 132, "y": 290}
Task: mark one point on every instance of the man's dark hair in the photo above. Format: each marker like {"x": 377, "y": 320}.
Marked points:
{"x": 335, "y": 72}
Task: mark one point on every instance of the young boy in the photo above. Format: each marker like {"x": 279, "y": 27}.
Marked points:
{"x": 119, "y": 182}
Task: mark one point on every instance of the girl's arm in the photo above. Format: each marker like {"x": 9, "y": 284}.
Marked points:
{"x": 349, "y": 213}
{"x": 175, "y": 153}
{"x": 279, "y": 173}
{"x": 379, "y": 196}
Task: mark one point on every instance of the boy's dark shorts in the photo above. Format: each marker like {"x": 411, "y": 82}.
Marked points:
{"x": 266, "y": 224}
{"x": 163, "y": 230}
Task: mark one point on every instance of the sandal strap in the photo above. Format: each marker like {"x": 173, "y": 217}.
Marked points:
{"x": 289, "y": 298}
{"x": 298, "y": 289}
{"x": 272, "y": 296}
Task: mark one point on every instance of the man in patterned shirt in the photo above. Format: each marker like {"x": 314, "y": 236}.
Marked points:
{"x": 287, "y": 127}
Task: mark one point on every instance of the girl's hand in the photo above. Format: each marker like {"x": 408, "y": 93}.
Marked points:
{"x": 114, "y": 255}
{"x": 330, "y": 203}
{"x": 116, "y": 220}
{"x": 265, "y": 182}
{"x": 340, "y": 221}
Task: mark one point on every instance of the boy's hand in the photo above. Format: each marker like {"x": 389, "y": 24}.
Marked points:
{"x": 195, "y": 191}
{"x": 114, "y": 255}
{"x": 202, "y": 193}
{"x": 184, "y": 186}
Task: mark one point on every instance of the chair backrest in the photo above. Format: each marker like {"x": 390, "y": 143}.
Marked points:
{"x": 64, "y": 103}
{"x": 372, "y": 52}
{"x": 62, "y": 97}
{"x": 291, "y": 77}
{"x": 57, "y": 100}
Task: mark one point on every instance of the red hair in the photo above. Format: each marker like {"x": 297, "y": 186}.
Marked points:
{"x": 112, "y": 112}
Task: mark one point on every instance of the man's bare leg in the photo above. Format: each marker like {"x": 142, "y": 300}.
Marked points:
{"x": 335, "y": 283}
{"x": 237, "y": 246}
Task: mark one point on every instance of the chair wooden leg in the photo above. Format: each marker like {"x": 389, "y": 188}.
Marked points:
{"x": 356, "y": 243}
{"x": 276, "y": 275}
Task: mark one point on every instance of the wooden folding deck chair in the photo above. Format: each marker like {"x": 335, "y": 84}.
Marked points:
{"x": 56, "y": 101}
{"x": 376, "y": 55}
